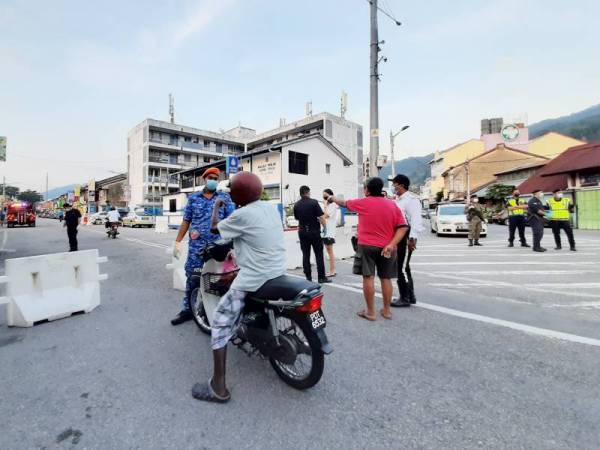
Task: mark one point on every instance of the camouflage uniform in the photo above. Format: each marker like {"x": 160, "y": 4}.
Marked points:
{"x": 475, "y": 218}
{"x": 198, "y": 212}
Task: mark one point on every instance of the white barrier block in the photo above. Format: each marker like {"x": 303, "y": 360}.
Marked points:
{"x": 50, "y": 287}
{"x": 178, "y": 267}
{"x": 161, "y": 224}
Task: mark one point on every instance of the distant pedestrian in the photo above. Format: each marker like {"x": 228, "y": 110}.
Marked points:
{"x": 331, "y": 216}
{"x": 475, "y": 219}
{"x": 71, "y": 222}
{"x": 536, "y": 213}
{"x": 560, "y": 218}
{"x": 2, "y": 217}
{"x": 410, "y": 205}
{"x": 381, "y": 227}
{"x": 310, "y": 217}
{"x": 517, "y": 208}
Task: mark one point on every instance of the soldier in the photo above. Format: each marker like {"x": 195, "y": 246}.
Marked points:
{"x": 536, "y": 213}
{"x": 475, "y": 218}
{"x": 197, "y": 218}
{"x": 560, "y": 208}
{"x": 516, "y": 218}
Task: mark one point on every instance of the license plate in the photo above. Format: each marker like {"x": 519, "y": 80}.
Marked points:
{"x": 317, "y": 319}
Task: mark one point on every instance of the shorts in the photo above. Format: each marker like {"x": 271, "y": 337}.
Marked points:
{"x": 227, "y": 317}
{"x": 369, "y": 258}
{"x": 328, "y": 241}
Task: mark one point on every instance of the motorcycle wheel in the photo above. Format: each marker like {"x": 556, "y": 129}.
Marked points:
{"x": 198, "y": 312}
{"x": 310, "y": 360}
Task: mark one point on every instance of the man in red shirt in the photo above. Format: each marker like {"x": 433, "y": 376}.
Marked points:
{"x": 381, "y": 226}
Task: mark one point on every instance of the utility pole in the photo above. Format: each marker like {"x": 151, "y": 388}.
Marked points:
{"x": 46, "y": 186}
{"x": 392, "y": 137}
{"x": 374, "y": 78}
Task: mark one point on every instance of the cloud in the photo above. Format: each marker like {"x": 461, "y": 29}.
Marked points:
{"x": 201, "y": 17}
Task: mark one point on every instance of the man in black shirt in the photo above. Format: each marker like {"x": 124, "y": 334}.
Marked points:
{"x": 536, "y": 213}
{"x": 310, "y": 216}
{"x": 72, "y": 220}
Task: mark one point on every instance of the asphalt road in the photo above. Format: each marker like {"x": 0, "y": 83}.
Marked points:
{"x": 502, "y": 353}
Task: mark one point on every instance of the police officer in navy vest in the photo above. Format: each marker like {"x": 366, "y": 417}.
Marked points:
{"x": 516, "y": 218}
{"x": 536, "y": 213}
{"x": 560, "y": 218}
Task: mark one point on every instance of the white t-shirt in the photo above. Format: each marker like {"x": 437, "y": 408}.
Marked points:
{"x": 113, "y": 216}
{"x": 331, "y": 209}
{"x": 259, "y": 245}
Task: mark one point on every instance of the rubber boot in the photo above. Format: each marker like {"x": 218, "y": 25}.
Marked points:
{"x": 470, "y": 242}
{"x": 477, "y": 243}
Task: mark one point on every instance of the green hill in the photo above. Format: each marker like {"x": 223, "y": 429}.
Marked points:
{"x": 416, "y": 168}
{"x": 584, "y": 125}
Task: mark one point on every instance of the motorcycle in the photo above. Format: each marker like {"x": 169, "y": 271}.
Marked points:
{"x": 113, "y": 230}
{"x": 281, "y": 322}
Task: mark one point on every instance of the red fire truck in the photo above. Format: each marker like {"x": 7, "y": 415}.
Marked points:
{"x": 20, "y": 213}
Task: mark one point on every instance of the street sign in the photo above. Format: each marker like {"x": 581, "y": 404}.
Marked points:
{"x": 233, "y": 163}
{"x": 2, "y": 148}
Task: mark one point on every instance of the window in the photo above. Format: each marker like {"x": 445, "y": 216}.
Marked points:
{"x": 196, "y": 140}
{"x": 298, "y": 163}
{"x": 206, "y": 159}
{"x": 188, "y": 158}
{"x": 327, "y": 168}
{"x": 219, "y": 147}
{"x": 173, "y": 139}
{"x": 207, "y": 143}
{"x": 273, "y": 192}
{"x": 173, "y": 205}
{"x": 187, "y": 139}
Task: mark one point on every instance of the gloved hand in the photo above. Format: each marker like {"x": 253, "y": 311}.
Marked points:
{"x": 177, "y": 250}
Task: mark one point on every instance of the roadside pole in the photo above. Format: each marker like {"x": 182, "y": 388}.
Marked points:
{"x": 374, "y": 80}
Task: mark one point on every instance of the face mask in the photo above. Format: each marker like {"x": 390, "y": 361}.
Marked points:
{"x": 539, "y": 196}
{"x": 212, "y": 185}
{"x": 558, "y": 195}
{"x": 475, "y": 200}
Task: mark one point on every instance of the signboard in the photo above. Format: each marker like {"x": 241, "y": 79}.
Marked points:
{"x": 510, "y": 132}
{"x": 77, "y": 191}
{"x": 267, "y": 167}
{"x": 92, "y": 185}
{"x": 233, "y": 163}
{"x": 2, "y": 148}
{"x": 246, "y": 165}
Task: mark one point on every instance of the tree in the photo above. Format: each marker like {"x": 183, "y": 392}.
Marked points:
{"x": 11, "y": 191}
{"x": 30, "y": 196}
{"x": 264, "y": 195}
{"x": 439, "y": 196}
{"x": 499, "y": 192}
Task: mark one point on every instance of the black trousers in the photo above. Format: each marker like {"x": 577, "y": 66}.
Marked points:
{"x": 514, "y": 223}
{"x": 537, "y": 228}
{"x": 312, "y": 239}
{"x": 405, "y": 281}
{"x": 558, "y": 225}
{"x": 72, "y": 233}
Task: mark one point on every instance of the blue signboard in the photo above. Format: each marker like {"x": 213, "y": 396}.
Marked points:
{"x": 233, "y": 163}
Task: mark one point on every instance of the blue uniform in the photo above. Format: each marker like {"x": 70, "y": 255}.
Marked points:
{"x": 198, "y": 212}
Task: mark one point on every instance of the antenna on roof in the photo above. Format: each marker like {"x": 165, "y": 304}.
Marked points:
{"x": 343, "y": 104}
{"x": 172, "y": 108}
{"x": 309, "y": 108}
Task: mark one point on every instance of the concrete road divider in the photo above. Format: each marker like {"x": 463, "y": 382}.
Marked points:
{"x": 161, "y": 224}
{"x": 50, "y": 287}
{"x": 178, "y": 266}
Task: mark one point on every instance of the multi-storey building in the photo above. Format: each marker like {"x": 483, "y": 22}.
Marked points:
{"x": 157, "y": 151}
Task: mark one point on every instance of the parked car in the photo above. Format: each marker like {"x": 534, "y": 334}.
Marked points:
{"x": 450, "y": 219}
{"x": 98, "y": 218}
{"x": 138, "y": 219}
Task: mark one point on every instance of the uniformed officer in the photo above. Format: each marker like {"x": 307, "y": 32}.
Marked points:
{"x": 560, "y": 209}
{"x": 536, "y": 213}
{"x": 197, "y": 219}
{"x": 475, "y": 218}
{"x": 516, "y": 218}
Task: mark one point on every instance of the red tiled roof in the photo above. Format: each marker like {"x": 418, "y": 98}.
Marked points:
{"x": 581, "y": 157}
{"x": 554, "y": 175}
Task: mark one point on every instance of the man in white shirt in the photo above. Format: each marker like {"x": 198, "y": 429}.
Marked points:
{"x": 410, "y": 205}
{"x": 257, "y": 235}
{"x": 112, "y": 216}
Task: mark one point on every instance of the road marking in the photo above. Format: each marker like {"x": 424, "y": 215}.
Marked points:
{"x": 490, "y": 320}
{"x": 500, "y": 263}
{"x": 518, "y": 272}
{"x": 137, "y": 241}
{"x": 455, "y": 253}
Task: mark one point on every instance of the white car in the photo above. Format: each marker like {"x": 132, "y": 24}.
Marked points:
{"x": 98, "y": 218}
{"x": 450, "y": 218}
{"x": 138, "y": 219}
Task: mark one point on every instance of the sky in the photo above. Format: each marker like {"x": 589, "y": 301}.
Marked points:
{"x": 76, "y": 76}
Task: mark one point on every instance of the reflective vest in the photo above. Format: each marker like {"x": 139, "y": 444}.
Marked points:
{"x": 559, "y": 209}
{"x": 516, "y": 202}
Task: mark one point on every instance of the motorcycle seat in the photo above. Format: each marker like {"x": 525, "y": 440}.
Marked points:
{"x": 284, "y": 287}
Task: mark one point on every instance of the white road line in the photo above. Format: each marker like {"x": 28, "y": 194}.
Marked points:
{"x": 571, "y": 255}
{"x": 518, "y": 272}
{"x": 137, "y": 241}
{"x": 504, "y": 263}
{"x": 490, "y": 320}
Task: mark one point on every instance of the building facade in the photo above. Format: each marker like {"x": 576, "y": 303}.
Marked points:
{"x": 158, "y": 151}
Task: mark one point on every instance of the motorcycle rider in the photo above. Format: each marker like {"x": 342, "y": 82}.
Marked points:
{"x": 196, "y": 218}
{"x": 113, "y": 216}
{"x": 257, "y": 234}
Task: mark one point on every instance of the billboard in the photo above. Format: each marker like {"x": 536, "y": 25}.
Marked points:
{"x": 2, "y": 148}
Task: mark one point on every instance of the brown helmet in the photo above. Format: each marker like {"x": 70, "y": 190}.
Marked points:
{"x": 245, "y": 187}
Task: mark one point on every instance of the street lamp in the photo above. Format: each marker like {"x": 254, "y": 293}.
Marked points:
{"x": 392, "y": 137}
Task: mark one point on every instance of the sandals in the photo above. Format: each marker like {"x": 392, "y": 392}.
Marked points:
{"x": 385, "y": 316}
{"x": 330, "y": 275}
{"x": 363, "y": 315}
{"x": 206, "y": 393}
